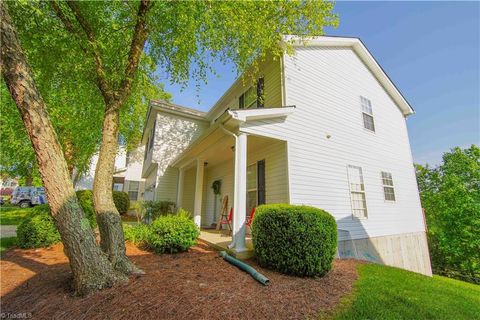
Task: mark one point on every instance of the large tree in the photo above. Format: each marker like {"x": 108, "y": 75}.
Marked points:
{"x": 123, "y": 42}
{"x": 91, "y": 268}
{"x": 450, "y": 195}
{"x": 179, "y": 35}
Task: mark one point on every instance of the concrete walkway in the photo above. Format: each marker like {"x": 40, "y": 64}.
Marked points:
{"x": 8, "y": 231}
{"x": 219, "y": 240}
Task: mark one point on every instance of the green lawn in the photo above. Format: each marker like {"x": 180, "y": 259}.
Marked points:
{"x": 6, "y": 243}
{"x": 12, "y": 215}
{"x": 389, "y": 293}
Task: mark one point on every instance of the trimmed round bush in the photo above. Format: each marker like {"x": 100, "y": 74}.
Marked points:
{"x": 85, "y": 198}
{"x": 122, "y": 201}
{"x": 172, "y": 234}
{"x": 295, "y": 240}
{"x": 37, "y": 230}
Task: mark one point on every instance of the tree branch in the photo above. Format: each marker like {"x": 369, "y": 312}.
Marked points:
{"x": 139, "y": 38}
{"x": 99, "y": 69}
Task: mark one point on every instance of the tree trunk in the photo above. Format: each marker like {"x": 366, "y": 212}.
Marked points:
{"x": 91, "y": 268}
{"x": 28, "y": 180}
{"x": 109, "y": 222}
{"x": 69, "y": 154}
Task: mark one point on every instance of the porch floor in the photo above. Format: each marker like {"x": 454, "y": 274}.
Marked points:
{"x": 220, "y": 239}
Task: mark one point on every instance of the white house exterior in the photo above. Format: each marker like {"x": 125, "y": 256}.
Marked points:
{"x": 330, "y": 132}
{"x": 127, "y": 176}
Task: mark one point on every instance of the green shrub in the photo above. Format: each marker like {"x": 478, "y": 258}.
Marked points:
{"x": 295, "y": 240}
{"x": 122, "y": 201}
{"x": 154, "y": 209}
{"x": 172, "y": 234}
{"x": 137, "y": 234}
{"x": 167, "y": 234}
{"x": 85, "y": 199}
{"x": 38, "y": 229}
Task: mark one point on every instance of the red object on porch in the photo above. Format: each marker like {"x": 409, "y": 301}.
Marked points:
{"x": 250, "y": 219}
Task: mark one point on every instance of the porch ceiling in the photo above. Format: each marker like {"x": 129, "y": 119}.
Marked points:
{"x": 222, "y": 150}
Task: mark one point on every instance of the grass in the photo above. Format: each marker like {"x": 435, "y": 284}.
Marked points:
{"x": 389, "y": 293}
{"x": 12, "y": 215}
{"x": 6, "y": 243}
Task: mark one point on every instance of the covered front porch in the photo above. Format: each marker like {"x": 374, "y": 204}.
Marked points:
{"x": 221, "y": 239}
{"x": 228, "y": 169}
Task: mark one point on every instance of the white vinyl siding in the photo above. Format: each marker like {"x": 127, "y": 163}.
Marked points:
{"x": 388, "y": 189}
{"x": 173, "y": 134}
{"x": 188, "y": 197}
{"x": 167, "y": 185}
{"x": 323, "y": 138}
{"x": 357, "y": 192}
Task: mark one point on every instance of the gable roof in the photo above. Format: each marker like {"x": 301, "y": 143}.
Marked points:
{"x": 361, "y": 50}
{"x": 177, "y": 109}
{"x": 320, "y": 41}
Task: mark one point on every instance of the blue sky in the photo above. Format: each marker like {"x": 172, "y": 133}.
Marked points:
{"x": 430, "y": 50}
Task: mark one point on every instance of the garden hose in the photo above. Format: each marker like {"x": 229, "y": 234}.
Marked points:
{"x": 245, "y": 267}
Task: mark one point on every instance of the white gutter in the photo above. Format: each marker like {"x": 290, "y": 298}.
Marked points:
{"x": 261, "y": 113}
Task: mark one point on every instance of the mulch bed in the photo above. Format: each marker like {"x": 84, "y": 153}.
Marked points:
{"x": 194, "y": 285}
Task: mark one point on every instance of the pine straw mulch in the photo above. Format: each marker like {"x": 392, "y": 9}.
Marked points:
{"x": 194, "y": 285}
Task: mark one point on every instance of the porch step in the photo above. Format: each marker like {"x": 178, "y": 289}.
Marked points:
{"x": 220, "y": 242}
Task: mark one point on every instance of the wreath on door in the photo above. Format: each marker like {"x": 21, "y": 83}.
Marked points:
{"x": 216, "y": 185}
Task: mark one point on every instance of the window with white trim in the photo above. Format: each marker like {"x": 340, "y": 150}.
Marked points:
{"x": 357, "y": 192}
{"x": 253, "y": 97}
{"x": 367, "y": 114}
{"x": 133, "y": 187}
{"x": 248, "y": 99}
{"x": 388, "y": 189}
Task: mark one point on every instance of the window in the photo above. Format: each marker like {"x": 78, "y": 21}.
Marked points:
{"x": 357, "y": 192}
{"x": 117, "y": 186}
{"x": 248, "y": 99}
{"x": 253, "y": 97}
{"x": 133, "y": 187}
{"x": 252, "y": 187}
{"x": 388, "y": 189}
{"x": 151, "y": 138}
{"x": 367, "y": 114}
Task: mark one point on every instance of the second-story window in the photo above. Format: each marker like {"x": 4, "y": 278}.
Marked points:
{"x": 253, "y": 97}
{"x": 388, "y": 190}
{"x": 367, "y": 114}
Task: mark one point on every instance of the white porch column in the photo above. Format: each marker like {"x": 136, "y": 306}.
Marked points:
{"x": 181, "y": 179}
{"x": 197, "y": 209}
{"x": 240, "y": 192}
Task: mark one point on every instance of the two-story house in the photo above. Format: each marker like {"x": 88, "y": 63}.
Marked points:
{"x": 323, "y": 127}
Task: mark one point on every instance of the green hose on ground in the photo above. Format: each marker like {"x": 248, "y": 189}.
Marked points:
{"x": 245, "y": 267}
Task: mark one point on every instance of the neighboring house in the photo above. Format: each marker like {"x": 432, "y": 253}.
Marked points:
{"x": 127, "y": 176}
{"x": 9, "y": 183}
{"x": 324, "y": 127}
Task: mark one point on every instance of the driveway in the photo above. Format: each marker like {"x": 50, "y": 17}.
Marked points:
{"x": 8, "y": 231}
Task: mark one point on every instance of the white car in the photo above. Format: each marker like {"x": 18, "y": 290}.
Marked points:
{"x": 28, "y": 196}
